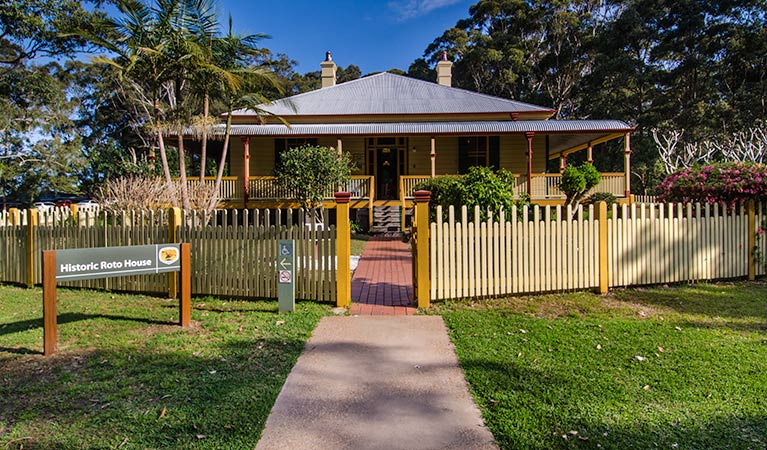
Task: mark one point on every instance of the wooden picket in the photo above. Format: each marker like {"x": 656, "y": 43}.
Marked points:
{"x": 234, "y": 253}
{"x": 657, "y": 243}
{"x": 548, "y": 249}
{"x": 13, "y": 257}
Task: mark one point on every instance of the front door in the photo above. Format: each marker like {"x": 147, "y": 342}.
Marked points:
{"x": 387, "y": 161}
{"x": 387, "y": 173}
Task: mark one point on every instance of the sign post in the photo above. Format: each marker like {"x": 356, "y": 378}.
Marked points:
{"x": 107, "y": 262}
{"x": 286, "y": 264}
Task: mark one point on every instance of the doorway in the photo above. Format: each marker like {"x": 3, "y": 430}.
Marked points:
{"x": 387, "y": 163}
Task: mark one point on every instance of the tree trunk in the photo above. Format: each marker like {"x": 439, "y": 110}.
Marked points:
{"x": 182, "y": 171}
{"x": 222, "y": 161}
{"x": 161, "y": 146}
{"x": 204, "y": 149}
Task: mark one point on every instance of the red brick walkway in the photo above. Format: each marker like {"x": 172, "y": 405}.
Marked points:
{"x": 383, "y": 281}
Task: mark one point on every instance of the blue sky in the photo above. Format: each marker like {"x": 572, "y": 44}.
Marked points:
{"x": 374, "y": 35}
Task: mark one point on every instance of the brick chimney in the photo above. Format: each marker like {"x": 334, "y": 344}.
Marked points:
{"x": 445, "y": 71}
{"x": 328, "y": 71}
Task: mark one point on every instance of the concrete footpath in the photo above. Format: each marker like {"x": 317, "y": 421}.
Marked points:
{"x": 376, "y": 382}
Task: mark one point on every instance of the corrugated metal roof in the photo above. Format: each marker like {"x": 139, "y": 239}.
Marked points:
{"x": 386, "y": 93}
{"x": 410, "y": 128}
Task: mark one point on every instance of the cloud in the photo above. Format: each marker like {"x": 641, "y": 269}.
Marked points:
{"x": 408, "y": 9}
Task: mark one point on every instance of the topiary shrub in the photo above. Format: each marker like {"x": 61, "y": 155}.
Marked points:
{"x": 729, "y": 183}
{"x": 577, "y": 180}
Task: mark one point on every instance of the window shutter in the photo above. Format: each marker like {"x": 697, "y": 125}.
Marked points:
{"x": 494, "y": 151}
{"x": 463, "y": 154}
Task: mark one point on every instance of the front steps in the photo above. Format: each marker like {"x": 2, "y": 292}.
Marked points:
{"x": 387, "y": 219}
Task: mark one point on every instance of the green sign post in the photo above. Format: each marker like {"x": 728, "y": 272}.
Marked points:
{"x": 286, "y": 274}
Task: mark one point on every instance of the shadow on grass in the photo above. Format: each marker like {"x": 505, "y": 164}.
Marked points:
{"x": 527, "y": 408}
{"x": 219, "y": 398}
{"x": 24, "y": 325}
{"x": 738, "y": 300}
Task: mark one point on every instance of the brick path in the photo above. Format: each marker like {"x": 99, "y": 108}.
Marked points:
{"x": 383, "y": 281}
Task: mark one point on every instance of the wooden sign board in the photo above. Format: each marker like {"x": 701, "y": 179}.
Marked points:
{"x": 105, "y": 262}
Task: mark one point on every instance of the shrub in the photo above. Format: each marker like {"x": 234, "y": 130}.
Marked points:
{"x": 313, "y": 173}
{"x": 577, "y": 180}
{"x": 728, "y": 183}
{"x": 597, "y": 197}
{"x": 491, "y": 191}
{"x": 146, "y": 192}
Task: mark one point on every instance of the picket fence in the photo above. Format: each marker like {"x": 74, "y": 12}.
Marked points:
{"x": 547, "y": 249}
{"x": 234, "y": 253}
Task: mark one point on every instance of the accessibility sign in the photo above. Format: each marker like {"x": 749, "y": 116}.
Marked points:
{"x": 286, "y": 262}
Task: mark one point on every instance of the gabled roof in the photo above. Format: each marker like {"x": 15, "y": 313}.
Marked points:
{"x": 386, "y": 93}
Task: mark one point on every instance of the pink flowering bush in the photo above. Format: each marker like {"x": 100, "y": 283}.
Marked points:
{"x": 730, "y": 183}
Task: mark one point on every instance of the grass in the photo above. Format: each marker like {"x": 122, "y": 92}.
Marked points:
{"x": 127, "y": 377}
{"x": 358, "y": 242}
{"x": 677, "y": 368}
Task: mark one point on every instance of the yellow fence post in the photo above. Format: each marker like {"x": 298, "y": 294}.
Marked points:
{"x": 15, "y": 216}
{"x": 601, "y": 218}
{"x": 75, "y": 209}
{"x": 751, "y": 240}
{"x": 343, "y": 247}
{"x": 31, "y": 230}
{"x": 174, "y": 222}
{"x": 421, "y": 219}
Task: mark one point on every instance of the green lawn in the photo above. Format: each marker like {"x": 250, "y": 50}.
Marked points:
{"x": 358, "y": 242}
{"x": 674, "y": 368}
{"x": 127, "y": 377}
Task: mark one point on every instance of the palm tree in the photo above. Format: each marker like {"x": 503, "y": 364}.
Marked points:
{"x": 234, "y": 54}
{"x": 171, "y": 54}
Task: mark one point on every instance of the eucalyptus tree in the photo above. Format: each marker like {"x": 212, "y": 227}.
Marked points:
{"x": 39, "y": 141}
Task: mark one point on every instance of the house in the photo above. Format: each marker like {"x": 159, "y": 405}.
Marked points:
{"x": 401, "y": 131}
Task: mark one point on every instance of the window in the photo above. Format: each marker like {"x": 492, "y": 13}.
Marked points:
{"x": 478, "y": 151}
{"x": 280, "y": 145}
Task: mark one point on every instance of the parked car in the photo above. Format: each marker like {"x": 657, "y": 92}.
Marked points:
{"x": 43, "y": 206}
{"x": 63, "y": 202}
{"x": 88, "y": 204}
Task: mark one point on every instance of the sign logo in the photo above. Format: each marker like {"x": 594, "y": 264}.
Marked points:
{"x": 168, "y": 255}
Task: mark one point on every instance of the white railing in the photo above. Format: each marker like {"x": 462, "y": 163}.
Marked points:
{"x": 546, "y": 186}
{"x": 407, "y": 184}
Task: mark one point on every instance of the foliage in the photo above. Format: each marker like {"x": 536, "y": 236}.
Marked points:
{"x": 128, "y": 376}
{"x": 40, "y": 149}
{"x": 150, "y": 192}
{"x": 561, "y": 371}
{"x": 491, "y": 191}
{"x": 677, "y": 153}
{"x": 577, "y": 180}
{"x": 684, "y": 64}
{"x": 730, "y": 183}
{"x": 313, "y": 173}
{"x": 597, "y": 197}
